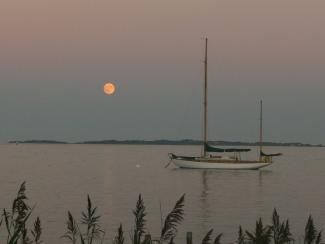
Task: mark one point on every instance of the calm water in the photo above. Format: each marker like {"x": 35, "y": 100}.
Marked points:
{"x": 59, "y": 177}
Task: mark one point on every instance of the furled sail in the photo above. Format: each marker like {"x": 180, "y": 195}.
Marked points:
{"x": 209, "y": 148}
{"x": 270, "y": 155}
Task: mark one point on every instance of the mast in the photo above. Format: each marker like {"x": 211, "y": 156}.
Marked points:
{"x": 205, "y": 103}
{"x": 261, "y": 127}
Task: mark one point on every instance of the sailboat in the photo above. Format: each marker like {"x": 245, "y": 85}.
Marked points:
{"x": 209, "y": 161}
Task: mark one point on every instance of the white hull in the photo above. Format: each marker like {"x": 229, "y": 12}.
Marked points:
{"x": 219, "y": 164}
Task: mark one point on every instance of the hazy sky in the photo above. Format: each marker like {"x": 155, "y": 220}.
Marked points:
{"x": 57, "y": 55}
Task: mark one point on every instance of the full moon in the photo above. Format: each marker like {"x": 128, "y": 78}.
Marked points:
{"x": 109, "y": 88}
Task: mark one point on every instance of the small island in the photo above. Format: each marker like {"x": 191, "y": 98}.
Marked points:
{"x": 37, "y": 142}
{"x": 184, "y": 142}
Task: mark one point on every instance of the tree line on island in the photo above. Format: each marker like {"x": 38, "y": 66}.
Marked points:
{"x": 169, "y": 142}
{"x": 15, "y": 227}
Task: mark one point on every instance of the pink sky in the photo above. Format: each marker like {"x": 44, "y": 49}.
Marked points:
{"x": 270, "y": 49}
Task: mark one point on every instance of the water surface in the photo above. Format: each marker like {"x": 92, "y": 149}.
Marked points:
{"x": 59, "y": 177}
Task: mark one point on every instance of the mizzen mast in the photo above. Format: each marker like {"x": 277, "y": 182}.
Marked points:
{"x": 261, "y": 128}
{"x": 205, "y": 103}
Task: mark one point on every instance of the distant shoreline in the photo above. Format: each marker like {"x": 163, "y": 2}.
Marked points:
{"x": 169, "y": 142}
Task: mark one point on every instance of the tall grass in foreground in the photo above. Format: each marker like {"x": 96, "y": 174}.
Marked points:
{"x": 17, "y": 228}
{"x": 14, "y": 222}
